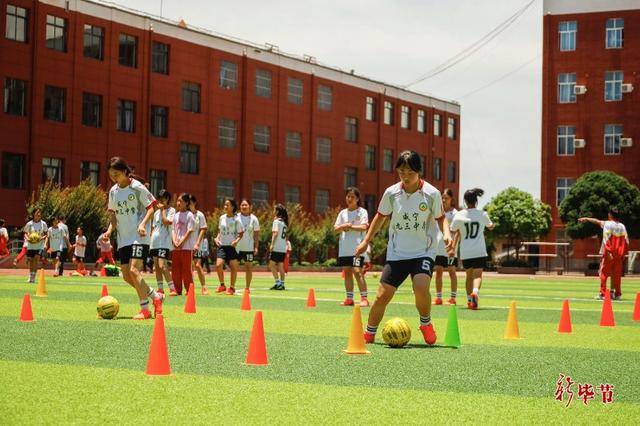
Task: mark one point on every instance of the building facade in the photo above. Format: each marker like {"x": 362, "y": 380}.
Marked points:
{"x": 198, "y": 112}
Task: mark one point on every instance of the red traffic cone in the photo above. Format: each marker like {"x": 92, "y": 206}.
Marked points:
{"x": 606, "y": 318}
{"x": 105, "y": 292}
{"x": 246, "y": 301}
{"x": 311, "y": 299}
{"x": 565, "y": 318}
{"x": 26, "y": 314}
{"x": 190, "y": 304}
{"x": 103, "y": 272}
{"x": 257, "y": 353}
{"x": 636, "y": 309}
{"x": 158, "y": 361}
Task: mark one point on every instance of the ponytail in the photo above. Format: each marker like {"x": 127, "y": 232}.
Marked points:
{"x": 471, "y": 196}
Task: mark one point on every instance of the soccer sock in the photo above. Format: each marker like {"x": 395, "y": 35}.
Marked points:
{"x": 350, "y": 295}
{"x": 363, "y": 294}
{"x": 454, "y": 294}
{"x": 371, "y": 329}
{"x": 144, "y": 304}
{"x": 425, "y": 320}
{"x": 439, "y": 295}
{"x": 160, "y": 285}
{"x": 171, "y": 286}
{"x": 152, "y": 294}
{"x": 476, "y": 291}
{"x": 468, "y": 298}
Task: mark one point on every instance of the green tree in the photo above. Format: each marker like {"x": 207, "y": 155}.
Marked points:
{"x": 323, "y": 237}
{"x": 592, "y": 196}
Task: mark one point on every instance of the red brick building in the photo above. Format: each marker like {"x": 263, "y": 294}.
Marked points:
{"x": 590, "y": 99}
{"x": 193, "y": 111}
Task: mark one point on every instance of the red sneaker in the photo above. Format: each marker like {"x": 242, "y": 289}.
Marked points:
{"x": 428, "y": 333}
{"x": 204, "y": 290}
{"x": 474, "y": 301}
{"x": 173, "y": 292}
{"x": 231, "y": 291}
{"x": 369, "y": 338}
{"x": 157, "y": 305}
{"x": 347, "y": 302}
{"x": 452, "y": 301}
{"x": 438, "y": 301}
{"x": 142, "y": 315}
{"x": 364, "y": 302}
{"x": 221, "y": 288}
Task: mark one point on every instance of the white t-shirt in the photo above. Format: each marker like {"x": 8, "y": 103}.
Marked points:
{"x": 471, "y": 224}
{"x": 229, "y": 227}
{"x": 183, "y": 222}
{"x": 161, "y": 234}
{"x": 130, "y": 205}
{"x": 81, "y": 246}
{"x": 65, "y": 228}
{"x": 250, "y": 224}
{"x": 200, "y": 223}
{"x": 204, "y": 246}
{"x": 280, "y": 243}
{"x": 442, "y": 249}
{"x": 350, "y": 239}
{"x": 40, "y": 228}
{"x": 56, "y": 238}
{"x": 411, "y": 231}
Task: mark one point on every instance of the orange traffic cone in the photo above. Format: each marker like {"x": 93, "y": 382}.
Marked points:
{"x": 158, "y": 362}
{"x": 103, "y": 272}
{"x": 636, "y": 309}
{"x": 26, "y": 314}
{"x": 286, "y": 263}
{"x": 512, "y": 331}
{"x": 311, "y": 299}
{"x": 246, "y": 301}
{"x": 105, "y": 292}
{"x": 356, "y": 344}
{"x": 257, "y": 353}
{"x": 565, "y": 318}
{"x": 41, "y": 288}
{"x": 606, "y": 318}
{"x": 190, "y": 304}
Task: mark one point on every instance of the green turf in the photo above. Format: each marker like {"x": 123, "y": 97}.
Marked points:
{"x": 69, "y": 366}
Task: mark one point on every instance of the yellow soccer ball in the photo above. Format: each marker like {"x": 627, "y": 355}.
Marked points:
{"x": 34, "y": 238}
{"x": 396, "y": 332}
{"x": 108, "y": 307}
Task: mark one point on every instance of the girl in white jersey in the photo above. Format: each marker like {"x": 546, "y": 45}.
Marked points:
{"x": 442, "y": 260}
{"x": 161, "y": 240}
{"x": 278, "y": 246}
{"x": 469, "y": 225}
{"x": 184, "y": 226}
{"x": 38, "y": 227}
{"x": 230, "y": 232}
{"x": 79, "y": 248}
{"x": 197, "y": 236}
{"x": 248, "y": 245}
{"x": 130, "y": 211}
{"x": 352, "y": 224}
{"x": 412, "y": 205}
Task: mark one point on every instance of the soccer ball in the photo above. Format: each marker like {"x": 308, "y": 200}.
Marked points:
{"x": 396, "y": 332}
{"x": 34, "y": 238}
{"x": 108, "y": 307}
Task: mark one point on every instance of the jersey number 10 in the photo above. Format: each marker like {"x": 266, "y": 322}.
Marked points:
{"x": 472, "y": 229}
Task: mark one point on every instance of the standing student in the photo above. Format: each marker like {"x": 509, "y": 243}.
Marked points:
{"x": 79, "y": 249}
{"x": 230, "y": 232}
{"x": 197, "y": 236}
{"x": 35, "y": 226}
{"x": 130, "y": 211}
{"x": 103, "y": 245}
{"x": 469, "y": 225}
{"x": 205, "y": 253}
{"x": 278, "y": 246}
{"x": 411, "y": 206}
{"x": 161, "y": 239}
{"x": 64, "y": 251}
{"x": 248, "y": 245}
{"x": 184, "y": 226}
{"x": 4, "y": 240}
{"x": 442, "y": 260}
{"x": 56, "y": 239}
{"x": 352, "y": 224}
{"x": 614, "y": 247}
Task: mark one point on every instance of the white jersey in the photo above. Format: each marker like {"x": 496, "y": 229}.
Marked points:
{"x": 56, "y": 238}
{"x": 81, "y": 246}
{"x": 442, "y": 249}
{"x": 250, "y": 224}
{"x": 411, "y": 231}
{"x": 38, "y": 227}
{"x": 280, "y": 242}
{"x": 204, "y": 246}
{"x": 471, "y": 224}
{"x": 161, "y": 234}
{"x": 200, "y": 223}
{"x": 350, "y": 239}
{"x": 130, "y": 205}
{"x": 229, "y": 227}
{"x": 65, "y": 228}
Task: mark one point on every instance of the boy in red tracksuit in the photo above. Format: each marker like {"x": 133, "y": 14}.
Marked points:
{"x": 615, "y": 245}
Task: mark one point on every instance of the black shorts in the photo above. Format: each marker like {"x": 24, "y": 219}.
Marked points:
{"x": 64, "y": 253}
{"x": 33, "y": 253}
{"x": 162, "y": 253}
{"x": 351, "y": 261}
{"x": 396, "y": 271}
{"x": 474, "y": 263}
{"x": 133, "y": 251}
{"x": 277, "y": 256}
{"x": 445, "y": 261}
{"x": 227, "y": 253}
{"x": 54, "y": 255}
{"x": 246, "y": 256}
{"x": 78, "y": 258}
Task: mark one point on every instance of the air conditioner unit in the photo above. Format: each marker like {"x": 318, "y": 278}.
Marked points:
{"x": 579, "y": 143}
{"x": 626, "y": 142}
{"x": 579, "y": 90}
{"x": 627, "y": 88}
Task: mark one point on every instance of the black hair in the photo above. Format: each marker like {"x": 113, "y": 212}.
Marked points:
{"x": 185, "y": 197}
{"x": 1, "y": 222}
{"x": 164, "y": 194}
{"x": 193, "y": 199}
{"x": 233, "y": 202}
{"x": 410, "y": 159}
{"x": 471, "y": 196}
{"x": 614, "y": 213}
{"x": 242, "y": 200}
{"x": 355, "y": 191}
{"x": 118, "y": 163}
{"x": 281, "y": 212}
{"x": 449, "y": 192}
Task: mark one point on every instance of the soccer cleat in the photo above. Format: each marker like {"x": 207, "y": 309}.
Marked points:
{"x": 173, "y": 292}
{"x": 275, "y": 286}
{"x": 469, "y": 305}
{"x": 231, "y": 291}
{"x": 221, "y": 288}
{"x": 616, "y": 298}
{"x": 160, "y": 291}
{"x": 157, "y": 304}
{"x": 281, "y": 286}
{"x": 347, "y": 302}
{"x": 369, "y": 338}
{"x": 599, "y": 297}
{"x": 474, "y": 301}
{"x": 204, "y": 290}
{"x": 364, "y": 303}
{"x": 428, "y": 333}
{"x": 452, "y": 301}
{"x": 142, "y": 315}
{"x": 438, "y": 301}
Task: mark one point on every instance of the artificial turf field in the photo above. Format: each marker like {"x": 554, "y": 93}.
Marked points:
{"x": 69, "y": 367}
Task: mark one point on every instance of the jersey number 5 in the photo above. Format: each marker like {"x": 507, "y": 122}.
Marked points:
{"x": 472, "y": 229}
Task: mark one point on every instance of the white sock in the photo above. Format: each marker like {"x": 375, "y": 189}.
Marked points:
{"x": 144, "y": 304}
{"x": 171, "y": 286}
{"x": 476, "y": 291}
{"x": 160, "y": 285}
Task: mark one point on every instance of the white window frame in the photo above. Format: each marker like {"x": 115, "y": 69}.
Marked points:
{"x": 387, "y": 160}
{"x": 567, "y": 184}
{"x": 451, "y": 128}
{"x": 260, "y": 132}
{"x": 614, "y": 31}
{"x": 263, "y": 83}
{"x": 567, "y": 32}
{"x": 322, "y": 201}
{"x": 613, "y": 80}
{"x": 227, "y": 133}
{"x": 325, "y": 97}
{"x": 260, "y": 192}
{"x": 323, "y": 150}
{"x": 437, "y": 128}
{"x": 370, "y": 108}
{"x": 293, "y": 145}
{"x": 291, "y": 194}
{"x": 228, "y": 74}
{"x": 565, "y": 83}
{"x": 225, "y": 187}
{"x": 565, "y": 135}
{"x": 388, "y": 113}
{"x": 405, "y": 116}
{"x": 421, "y": 121}
{"x": 612, "y": 135}
{"x": 295, "y": 90}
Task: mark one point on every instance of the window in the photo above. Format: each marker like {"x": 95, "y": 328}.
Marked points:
{"x": 190, "y": 97}
{"x": 157, "y": 180}
{"x": 567, "y": 32}
{"x": 325, "y": 98}
{"x": 615, "y": 33}
{"x": 437, "y": 169}
{"x": 15, "y": 96}
{"x": 293, "y": 148}
{"x": 226, "y": 133}
{"x": 370, "y": 205}
{"x": 350, "y": 177}
{"x": 261, "y": 138}
{"x": 387, "y": 160}
{"x": 160, "y": 58}
{"x": 93, "y": 42}
{"x": 437, "y": 126}
{"x": 405, "y": 117}
{"x": 189, "y": 158}
{"x": 451, "y": 172}
{"x": 159, "y": 121}
{"x": 260, "y": 193}
{"x": 127, "y": 53}
{"x": 421, "y": 123}
{"x": 370, "y": 157}
{"x": 388, "y": 113}
{"x": 613, "y": 85}
{"x": 370, "y": 110}
{"x": 563, "y": 185}
{"x": 91, "y": 110}
{"x": 322, "y": 200}
{"x": 566, "y": 135}
{"x": 56, "y": 33}
{"x": 323, "y": 150}
{"x": 16, "y": 24}
{"x": 13, "y": 170}
{"x": 52, "y": 169}
{"x": 54, "y": 103}
{"x": 228, "y": 75}
{"x": 292, "y": 194}
{"x": 351, "y": 129}
{"x": 126, "y": 116}
{"x": 294, "y": 91}
{"x": 91, "y": 171}
{"x": 612, "y": 135}
{"x": 263, "y": 83}
{"x": 224, "y": 189}
{"x": 451, "y": 128}
{"x": 566, "y": 84}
